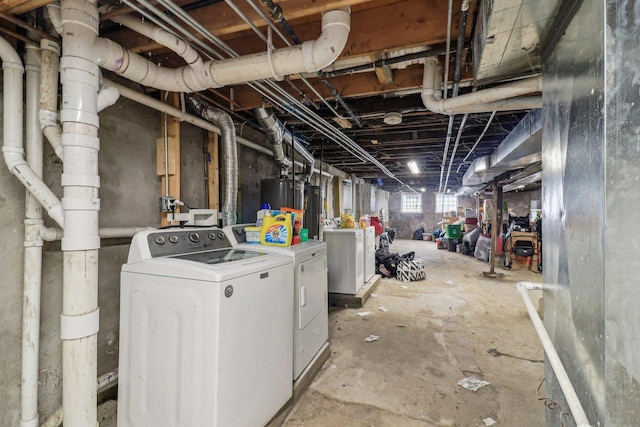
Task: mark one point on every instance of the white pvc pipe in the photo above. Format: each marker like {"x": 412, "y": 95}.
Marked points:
{"x": 160, "y": 106}
{"x": 492, "y": 99}
{"x": 80, "y": 77}
{"x": 104, "y": 383}
{"x": 32, "y": 252}
{"x": 48, "y": 108}
{"x": 163, "y": 37}
{"x": 556, "y": 364}
{"x": 310, "y": 56}
{"x": 13, "y": 144}
{"x": 107, "y": 96}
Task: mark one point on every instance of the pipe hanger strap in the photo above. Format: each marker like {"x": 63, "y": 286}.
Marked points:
{"x": 82, "y": 326}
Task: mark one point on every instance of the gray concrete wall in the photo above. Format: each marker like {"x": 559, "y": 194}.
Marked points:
{"x": 129, "y": 197}
{"x": 405, "y": 224}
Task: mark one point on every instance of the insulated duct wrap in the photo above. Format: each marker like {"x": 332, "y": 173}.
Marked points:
{"x": 277, "y": 134}
{"x": 274, "y": 130}
{"x": 229, "y": 156}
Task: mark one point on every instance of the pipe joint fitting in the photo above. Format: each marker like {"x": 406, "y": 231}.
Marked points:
{"x": 80, "y": 204}
{"x": 50, "y": 45}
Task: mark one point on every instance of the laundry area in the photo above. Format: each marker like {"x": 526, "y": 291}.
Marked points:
{"x": 224, "y": 213}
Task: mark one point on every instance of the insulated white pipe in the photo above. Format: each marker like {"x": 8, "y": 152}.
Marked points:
{"x": 310, "y": 56}
{"x": 32, "y": 252}
{"x": 80, "y": 182}
{"x": 487, "y": 96}
{"x": 48, "y": 108}
{"x": 570, "y": 395}
{"x": 13, "y": 144}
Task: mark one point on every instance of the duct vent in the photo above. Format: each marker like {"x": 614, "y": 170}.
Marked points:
{"x": 392, "y": 118}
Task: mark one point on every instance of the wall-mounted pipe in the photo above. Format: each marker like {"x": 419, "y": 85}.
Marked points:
{"x": 107, "y": 96}
{"x": 492, "y": 99}
{"x": 13, "y": 144}
{"x": 160, "y": 106}
{"x": 32, "y": 252}
{"x": 579, "y": 416}
{"x": 229, "y": 156}
{"x": 79, "y": 322}
{"x": 48, "y": 108}
{"x": 310, "y": 56}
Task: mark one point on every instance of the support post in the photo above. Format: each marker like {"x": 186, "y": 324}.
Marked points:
{"x": 172, "y": 156}
{"x": 213, "y": 172}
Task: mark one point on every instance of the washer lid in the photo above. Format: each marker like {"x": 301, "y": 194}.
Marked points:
{"x": 220, "y": 256}
{"x": 210, "y": 266}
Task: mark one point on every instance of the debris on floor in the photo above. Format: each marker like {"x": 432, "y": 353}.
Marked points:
{"x": 404, "y": 286}
{"x": 374, "y": 295}
{"x": 364, "y": 313}
{"x": 371, "y": 338}
{"x": 489, "y": 421}
{"x": 383, "y": 309}
{"x": 472, "y": 383}
{"x": 449, "y": 282}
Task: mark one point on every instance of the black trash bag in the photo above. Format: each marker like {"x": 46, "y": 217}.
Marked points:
{"x": 417, "y": 235}
{"x": 387, "y": 263}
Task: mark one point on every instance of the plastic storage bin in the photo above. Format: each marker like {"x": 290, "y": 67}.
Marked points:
{"x": 453, "y": 231}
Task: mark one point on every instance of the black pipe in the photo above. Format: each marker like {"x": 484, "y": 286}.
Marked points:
{"x": 276, "y": 14}
{"x": 379, "y": 63}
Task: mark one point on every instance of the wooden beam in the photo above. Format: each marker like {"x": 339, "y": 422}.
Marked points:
{"x": 173, "y": 143}
{"x": 213, "y": 172}
{"x": 384, "y": 74}
{"x": 356, "y": 85}
{"x": 18, "y": 7}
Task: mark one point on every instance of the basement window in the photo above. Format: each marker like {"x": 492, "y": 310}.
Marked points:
{"x": 446, "y": 203}
{"x": 411, "y": 203}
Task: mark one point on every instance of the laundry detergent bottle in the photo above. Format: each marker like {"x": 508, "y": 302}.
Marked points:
{"x": 277, "y": 230}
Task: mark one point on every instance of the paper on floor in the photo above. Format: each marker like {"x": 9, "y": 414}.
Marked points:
{"x": 472, "y": 383}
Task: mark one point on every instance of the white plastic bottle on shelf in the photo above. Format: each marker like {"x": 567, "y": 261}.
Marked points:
{"x": 264, "y": 211}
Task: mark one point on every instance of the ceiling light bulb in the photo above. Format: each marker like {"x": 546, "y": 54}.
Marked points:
{"x": 392, "y": 118}
{"x": 413, "y": 167}
{"x": 423, "y": 189}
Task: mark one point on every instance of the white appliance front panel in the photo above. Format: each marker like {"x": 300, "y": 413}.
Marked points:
{"x": 345, "y": 260}
{"x": 192, "y": 356}
{"x": 369, "y": 252}
{"x": 312, "y": 289}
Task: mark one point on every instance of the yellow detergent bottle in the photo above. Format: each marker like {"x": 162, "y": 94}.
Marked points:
{"x": 276, "y": 230}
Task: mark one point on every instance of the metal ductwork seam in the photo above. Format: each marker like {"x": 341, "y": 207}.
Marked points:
{"x": 229, "y": 156}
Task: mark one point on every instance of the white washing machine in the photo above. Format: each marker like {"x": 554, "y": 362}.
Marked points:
{"x": 369, "y": 252}
{"x": 310, "y": 309}
{"x": 345, "y": 258}
{"x": 205, "y": 331}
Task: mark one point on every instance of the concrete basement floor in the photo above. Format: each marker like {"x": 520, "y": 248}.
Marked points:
{"x": 437, "y": 331}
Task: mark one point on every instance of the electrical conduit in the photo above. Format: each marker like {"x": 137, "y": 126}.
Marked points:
{"x": 569, "y": 392}
{"x": 80, "y": 182}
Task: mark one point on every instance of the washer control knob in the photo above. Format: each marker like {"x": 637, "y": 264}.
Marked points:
{"x": 212, "y": 236}
{"x": 160, "y": 240}
{"x": 194, "y": 237}
{"x": 220, "y": 235}
{"x": 173, "y": 238}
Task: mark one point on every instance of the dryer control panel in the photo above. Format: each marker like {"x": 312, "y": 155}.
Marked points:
{"x": 185, "y": 240}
